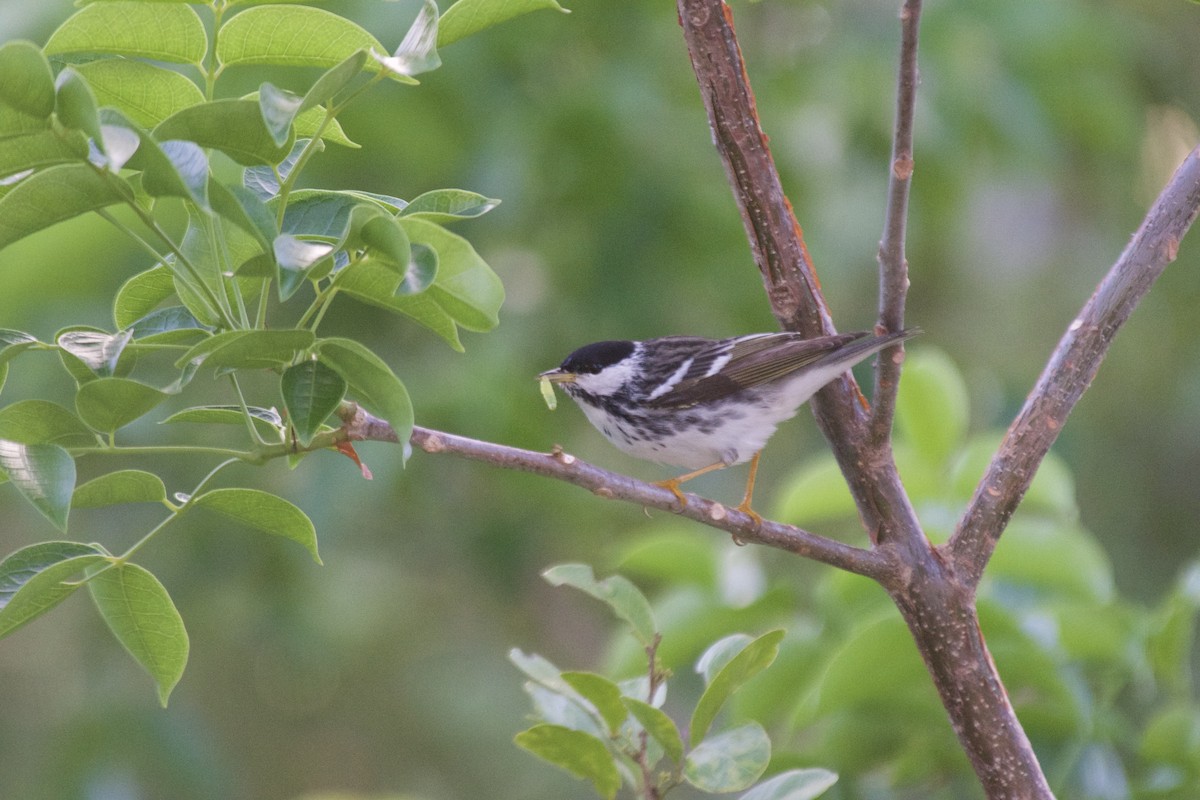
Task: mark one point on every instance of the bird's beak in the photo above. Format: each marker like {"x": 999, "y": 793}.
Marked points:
{"x": 557, "y": 376}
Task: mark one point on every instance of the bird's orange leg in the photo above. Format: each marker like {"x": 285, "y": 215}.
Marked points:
{"x": 744, "y": 506}
{"x": 673, "y": 483}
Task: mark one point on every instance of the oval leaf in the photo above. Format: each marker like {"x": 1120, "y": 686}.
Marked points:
{"x": 76, "y": 105}
{"x": 311, "y": 392}
{"x": 417, "y": 53}
{"x": 43, "y": 422}
{"x": 796, "y": 784}
{"x": 466, "y": 288}
{"x": 334, "y": 80}
{"x": 32, "y": 579}
{"x": 13, "y": 342}
{"x": 468, "y": 17}
{"x": 160, "y": 31}
{"x": 235, "y": 127}
{"x": 99, "y": 351}
{"x": 264, "y": 512}
{"x": 579, "y": 753}
{"x": 372, "y": 381}
{"x": 661, "y": 727}
{"x": 26, "y": 82}
{"x": 56, "y": 194}
{"x": 44, "y": 474}
{"x": 122, "y": 486}
{"x": 448, "y": 205}
{"x": 146, "y": 93}
{"x": 932, "y": 407}
{"x": 617, "y": 591}
{"x": 729, "y": 762}
{"x": 140, "y": 614}
{"x": 297, "y": 36}
{"x": 141, "y": 294}
{"x": 601, "y": 693}
{"x": 249, "y": 349}
{"x": 107, "y": 404}
{"x": 753, "y": 659}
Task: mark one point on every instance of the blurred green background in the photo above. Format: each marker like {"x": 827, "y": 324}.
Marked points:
{"x": 1043, "y": 132}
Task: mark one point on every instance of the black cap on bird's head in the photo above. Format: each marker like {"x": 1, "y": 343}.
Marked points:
{"x": 590, "y": 360}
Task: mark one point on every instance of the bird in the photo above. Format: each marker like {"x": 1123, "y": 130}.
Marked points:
{"x": 706, "y": 404}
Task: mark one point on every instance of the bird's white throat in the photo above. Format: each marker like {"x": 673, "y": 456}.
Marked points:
{"x": 608, "y": 380}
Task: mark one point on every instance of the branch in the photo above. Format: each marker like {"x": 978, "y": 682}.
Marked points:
{"x": 775, "y": 237}
{"x": 893, "y": 264}
{"x": 1071, "y": 369}
{"x": 360, "y": 425}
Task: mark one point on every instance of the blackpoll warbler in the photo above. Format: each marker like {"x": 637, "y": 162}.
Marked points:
{"x": 706, "y": 404}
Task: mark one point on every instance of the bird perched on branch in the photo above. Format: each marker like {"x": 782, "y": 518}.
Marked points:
{"x": 705, "y": 404}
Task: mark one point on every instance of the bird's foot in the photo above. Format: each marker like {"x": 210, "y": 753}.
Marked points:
{"x": 672, "y": 485}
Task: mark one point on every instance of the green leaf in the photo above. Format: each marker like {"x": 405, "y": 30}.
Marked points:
{"x": 40, "y": 150}
{"x": 235, "y": 127}
{"x": 753, "y": 659}
{"x": 146, "y": 93}
{"x": 816, "y": 492}
{"x": 448, "y": 205}
{"x": 279, "y": 107}
{"x": 141, "y": 294}
{"x": 796, "y": 784}
{"x": 421, "y": 272}
{"x": 372, "y": 381}
{"x": 122, "y": 486}
{"x": 140, "y": 614}
{"x": 311, "y": 392}
{"x": 388, "y": 242}
{"x": 334, "y": 80}
{"x": 617, "y": 591}
{"x": 468, "y": 17}
{"x": 579, "y": 753}
{"x": 299, "y": 254}
{"x": 417, "y": 53}
{"x": 730, "y": 761}
{"x": 12, "y": 343}
{"x": 297, "y": 36}
{"x": 1054, "y": 559}
{"x": 1172, "y": 633}
{"x": 377, "y": 285}
{"x": 26, "y": 82}
{"x": 32, "y": 579}
{"x": 601, "y": 693}
{"x": 174, "y": 324}
{"x": 267, "y": 420}
{"x": 932, "y": 408}
{"x": 465, "y": 288}
{"x": 661, "y": 727}
{"x": 107, "y": 404}
{"x": 44, "y": 474}
{"x": 14, "y": 123}
{"x": 43, "y": 422}
{"x": 56, "y": 194}
{"x": 242, "y": 207}
{"x": 182, "y": 171}
{"x": 162, "y": 32}
{"x": 250, "y": 349}
{"x": 98, "y": 351}
{"x": 264, "y": 512}
{"x": 76, "y": 105}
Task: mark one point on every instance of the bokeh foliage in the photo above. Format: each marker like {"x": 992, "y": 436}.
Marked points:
{"x": 1043, "y": 131}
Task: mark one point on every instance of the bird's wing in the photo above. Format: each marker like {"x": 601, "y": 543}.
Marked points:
{"x": 731, "y": 365}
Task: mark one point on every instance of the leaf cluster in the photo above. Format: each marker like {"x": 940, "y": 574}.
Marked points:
{"x": 124, "y": 113}
{"x": 615, "y": 732}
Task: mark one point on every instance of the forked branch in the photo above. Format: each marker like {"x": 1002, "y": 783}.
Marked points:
{"x": 1071, "y": 369}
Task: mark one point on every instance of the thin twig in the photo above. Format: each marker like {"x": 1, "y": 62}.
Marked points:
{"x": 893, "y": 263}
{"x": 1071, "y": 369}
{"x": 360, "y": 425}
